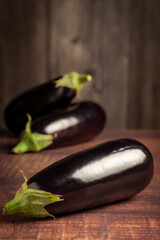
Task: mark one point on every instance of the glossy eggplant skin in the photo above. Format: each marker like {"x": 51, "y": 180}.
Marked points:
{"x": 77, "y": 123}
{"x": 106, "y": 173}
{"x": 37, "y": 102}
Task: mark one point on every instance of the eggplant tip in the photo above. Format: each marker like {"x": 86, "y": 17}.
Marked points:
{"x": 89, "y": 78}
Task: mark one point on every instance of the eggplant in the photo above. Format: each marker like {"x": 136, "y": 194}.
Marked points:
{"x": 77, "y": 123}
{"x": 42, "y": 99}
{"x": 109, "y": 172}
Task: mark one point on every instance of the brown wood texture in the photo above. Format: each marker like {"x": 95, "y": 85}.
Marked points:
{"x": 116, "y": 41}
{"x": 137, "y": 218}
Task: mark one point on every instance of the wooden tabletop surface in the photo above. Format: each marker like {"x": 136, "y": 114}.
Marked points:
{"x": 136, "y": 218}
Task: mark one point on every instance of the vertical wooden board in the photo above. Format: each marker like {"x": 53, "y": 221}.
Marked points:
{"x": 22, "y": 47}
{"x": 136, "y": 68}
{"x": 91, "y": 36}
{"x": 67, "y": 48}
{"x": 153, "y": 67}
{"x": 144, "y": 90}
{"x": 110, "y": 59}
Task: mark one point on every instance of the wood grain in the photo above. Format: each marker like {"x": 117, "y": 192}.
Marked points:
{"x": 116, "y": 41}
{"x": 143, "y": 80}
{"x": 136, "y": 218}
{"x": 23, "y": 44}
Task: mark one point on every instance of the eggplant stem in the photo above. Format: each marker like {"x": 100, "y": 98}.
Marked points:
{"x": 32, "y": 142}
{"x": 30, "y": 202}
{"x": 73, "y": 80}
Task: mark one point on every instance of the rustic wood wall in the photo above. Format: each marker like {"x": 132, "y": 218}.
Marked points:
{"x": 117, "y": 41}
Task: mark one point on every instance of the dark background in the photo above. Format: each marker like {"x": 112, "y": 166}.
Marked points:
{"x": 117, "y": 41}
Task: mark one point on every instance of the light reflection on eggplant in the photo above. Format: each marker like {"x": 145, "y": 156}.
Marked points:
{"x": 114, "y": 163}
{"x": 61, "y": 124}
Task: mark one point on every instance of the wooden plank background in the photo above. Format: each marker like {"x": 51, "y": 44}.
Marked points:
{"x": 117, "y": 41}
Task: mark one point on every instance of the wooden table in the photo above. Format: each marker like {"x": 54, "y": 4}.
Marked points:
{"x": 137, "y": 218}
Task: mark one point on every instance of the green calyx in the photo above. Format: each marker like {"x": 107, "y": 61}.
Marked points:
{"x": 32, "y": 142}
{"x": 73, "y": 80}
{"x": 30, "y": 202}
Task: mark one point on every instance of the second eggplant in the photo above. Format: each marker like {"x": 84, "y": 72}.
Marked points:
{"x": 77, "y": 123}
{"x": 43, "y": 98}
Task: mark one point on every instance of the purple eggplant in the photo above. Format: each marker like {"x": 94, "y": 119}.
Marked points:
{"x": 77, "y": 123}
{"x": 42, "y": 99}
{"x": 109, "y": 172}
